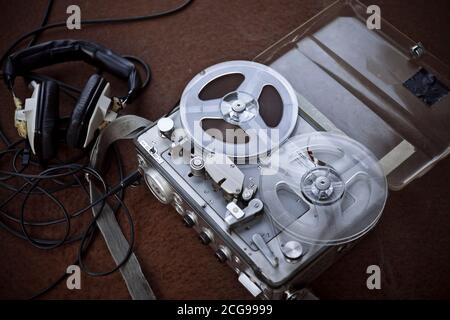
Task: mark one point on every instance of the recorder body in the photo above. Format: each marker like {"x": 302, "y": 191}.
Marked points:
{"x": 277, "y": 210}
{"x": 203, "y": 206}
{"x": 248, "y": 160}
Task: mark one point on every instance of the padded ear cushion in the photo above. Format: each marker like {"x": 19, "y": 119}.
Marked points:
{"x": 81, "y": 115}
{"x": 46, "y": 126}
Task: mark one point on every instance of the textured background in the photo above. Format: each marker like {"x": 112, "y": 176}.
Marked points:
{"x": 411, "y": 243}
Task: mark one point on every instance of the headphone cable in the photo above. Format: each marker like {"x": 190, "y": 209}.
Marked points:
{"x": 155, "y": 15}
{"x": 31, "y": 181}
{"x": 43, "y": 23}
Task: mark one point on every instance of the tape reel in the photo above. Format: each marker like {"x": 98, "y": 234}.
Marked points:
{"x": 323, "y": 188}
{"x": 251, "y": 101}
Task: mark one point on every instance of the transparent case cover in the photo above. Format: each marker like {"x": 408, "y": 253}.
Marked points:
{"x": 372, "y": 85}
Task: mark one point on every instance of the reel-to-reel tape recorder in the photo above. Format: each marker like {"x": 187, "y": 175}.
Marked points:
{"x": 281, "y": 165}
{"x": 275, "y": 199}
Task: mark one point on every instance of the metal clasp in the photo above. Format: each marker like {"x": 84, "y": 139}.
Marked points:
{"x": 417, "y": 50}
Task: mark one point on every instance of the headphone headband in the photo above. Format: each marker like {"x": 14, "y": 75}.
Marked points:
{"x": 58, "y": 51}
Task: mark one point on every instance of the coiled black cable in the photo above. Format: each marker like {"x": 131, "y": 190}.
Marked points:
{"x": 85, "y": 238}
{"x": 56, "y": 173}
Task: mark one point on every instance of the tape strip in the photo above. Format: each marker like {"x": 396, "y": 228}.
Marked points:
{"x": 396, "y": 156}
{"x": 313, "y": 114}
{"x": 125, "y": 127}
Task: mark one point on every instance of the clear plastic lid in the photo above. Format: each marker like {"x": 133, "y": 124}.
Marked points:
{"x": 377, "y": 86}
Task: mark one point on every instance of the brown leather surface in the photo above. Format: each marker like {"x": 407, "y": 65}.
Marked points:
{"x": 411, "y": 243}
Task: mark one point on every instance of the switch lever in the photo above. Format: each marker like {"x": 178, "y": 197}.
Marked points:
{"x": 265, "y": 250}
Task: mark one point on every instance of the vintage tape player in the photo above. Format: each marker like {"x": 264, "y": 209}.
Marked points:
{"x": 277, "y": 209}
{"x": 281, "y": 165}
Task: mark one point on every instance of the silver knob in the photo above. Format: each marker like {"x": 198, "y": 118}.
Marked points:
{"x": 166, "y": 127}
{"x": 293, "y": 250}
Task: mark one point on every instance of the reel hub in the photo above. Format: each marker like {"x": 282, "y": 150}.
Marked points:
{"x": 322, "y": 186}
{"x": 238, "y": 107}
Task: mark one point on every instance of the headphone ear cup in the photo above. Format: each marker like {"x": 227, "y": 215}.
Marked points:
{"x": 46, "y": 123}
{"x": 82, "y": 113}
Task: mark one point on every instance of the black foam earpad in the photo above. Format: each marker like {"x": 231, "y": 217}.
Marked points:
{"x": 81, "y": 115}
{"x": 46, "y": 125}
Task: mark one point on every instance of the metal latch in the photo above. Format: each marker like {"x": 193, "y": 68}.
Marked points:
{"x": 225, "y": 173}
{"x": 418, "y": 50}
{"x": 236, "y": 216}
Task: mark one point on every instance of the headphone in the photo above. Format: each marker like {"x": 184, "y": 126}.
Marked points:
{"x": 38, "y": 120}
